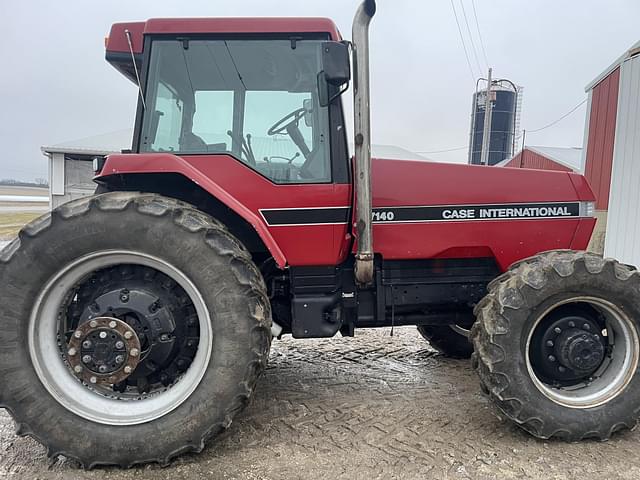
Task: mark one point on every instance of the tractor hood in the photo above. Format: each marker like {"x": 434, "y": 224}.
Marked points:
{"x": 405, "y": 183}
{"x": 439, "y": 210}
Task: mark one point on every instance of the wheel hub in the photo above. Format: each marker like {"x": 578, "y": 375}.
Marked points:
{"x": 569, "y": 349}
{"x": 579, "y": 350}
{"x": 104, "y": 350}
{"x": 156, "y": 309}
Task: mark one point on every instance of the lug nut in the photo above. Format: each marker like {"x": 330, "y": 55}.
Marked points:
{"x": 128, "y": 335}
{"x": 93, "y": 379}
{"x": 557, "y": 330}
{"x": 549, "y": 343}
{"x": 562, "y": 369}
{"x": 112, "y": 324}
{"x": 128, "y": 369}
{"x": 86, "y": 359}
{"x": 551, "y": 358}
{"x": 87, "y": 344}
{"x": 102, "y": 369}
{"x": 103, "y": 335}
{"x": 586, "y": 326}
{"x": 134, "y": 352}
{"x": 93, "y": 324}
{"x": 77, "y": 369}
{"x": 572, "y": 324}
{"x": 119, "y": 359}
{"x": 77, "y": 334}
{"x": 119, "y": 344}
{"x": 72, "y": 352}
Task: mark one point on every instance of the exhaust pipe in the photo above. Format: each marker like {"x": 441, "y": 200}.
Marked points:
{"x": 362, "y": 114}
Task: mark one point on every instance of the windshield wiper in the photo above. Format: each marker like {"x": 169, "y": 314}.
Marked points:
{"x": 234, "y": 64}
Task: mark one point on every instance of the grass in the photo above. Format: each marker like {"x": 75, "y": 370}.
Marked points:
{"x": 11, "y": 223}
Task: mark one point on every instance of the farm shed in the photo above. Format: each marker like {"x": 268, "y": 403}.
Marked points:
{"x": 563, "y": 159}
{"x": 612, "y": 156}
{"x": 71, "y": 164}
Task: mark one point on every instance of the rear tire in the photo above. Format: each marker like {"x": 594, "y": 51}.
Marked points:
{"x": 557, "y": 345}
{"x": 222, "y": 279}
{"x": 447, "y": 341}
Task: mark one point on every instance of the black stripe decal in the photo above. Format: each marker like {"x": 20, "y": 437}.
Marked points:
{"x": 440, "y": 213}
{"x": 306, "y": 216}
{"x": 457, "y": 213}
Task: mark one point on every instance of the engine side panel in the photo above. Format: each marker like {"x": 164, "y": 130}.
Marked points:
{"x": 453, "y": 226}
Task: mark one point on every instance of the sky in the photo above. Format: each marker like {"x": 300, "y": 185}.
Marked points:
{"x": 55, "y": 85}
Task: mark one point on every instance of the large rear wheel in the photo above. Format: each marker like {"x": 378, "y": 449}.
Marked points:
{"x": 134, "y": 329}
{"x": 557, "y": 345}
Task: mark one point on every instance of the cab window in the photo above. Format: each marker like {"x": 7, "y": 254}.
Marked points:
{"x": 254, "y": 100}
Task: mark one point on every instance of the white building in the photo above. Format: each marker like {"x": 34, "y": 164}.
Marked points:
{"x": 71, "y": 164}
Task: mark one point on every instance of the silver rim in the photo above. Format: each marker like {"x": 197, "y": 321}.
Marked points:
{"x": 77, "y": 397}
{"x": 615, "y": 373}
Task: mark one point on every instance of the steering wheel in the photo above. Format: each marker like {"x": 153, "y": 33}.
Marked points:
{"x": 281, "y": 125}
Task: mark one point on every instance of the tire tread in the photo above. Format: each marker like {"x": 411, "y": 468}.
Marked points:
{"x": 505, "y": 293}
{"x": 217, "y": 238}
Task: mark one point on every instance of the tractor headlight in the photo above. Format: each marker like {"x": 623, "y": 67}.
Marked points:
{"x": 587, "y": 209}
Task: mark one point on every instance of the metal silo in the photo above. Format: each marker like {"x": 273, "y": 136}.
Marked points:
{"x": 505, "y": 100}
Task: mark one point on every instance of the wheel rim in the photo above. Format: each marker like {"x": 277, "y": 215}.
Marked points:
{"x": 586, "y": 375}
{"x": 54, "y": 370}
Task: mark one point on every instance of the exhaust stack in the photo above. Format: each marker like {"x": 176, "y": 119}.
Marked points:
{"x": 362, "y": 114}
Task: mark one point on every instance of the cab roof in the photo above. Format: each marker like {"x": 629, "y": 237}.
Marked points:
{"x": 117, "y": 41}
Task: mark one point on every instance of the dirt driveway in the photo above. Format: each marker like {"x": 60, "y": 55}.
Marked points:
{"x": 371, "y": 407}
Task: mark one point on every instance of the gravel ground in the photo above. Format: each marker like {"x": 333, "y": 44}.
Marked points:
{"x": 371, "y": 407}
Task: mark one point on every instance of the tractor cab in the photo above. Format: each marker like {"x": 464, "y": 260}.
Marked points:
{"x": 267, "y": 97}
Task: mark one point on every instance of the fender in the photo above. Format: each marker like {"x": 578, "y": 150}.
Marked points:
{"x": 122, "y": 164}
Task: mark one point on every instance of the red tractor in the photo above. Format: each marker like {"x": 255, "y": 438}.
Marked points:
{"x": 135, "y": 322}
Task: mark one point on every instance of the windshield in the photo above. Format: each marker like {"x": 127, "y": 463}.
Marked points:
{"x": 254, "y": 99}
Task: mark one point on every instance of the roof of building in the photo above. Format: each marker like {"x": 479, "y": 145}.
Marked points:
{"x": 105, "y": 144}
{"x": 570, "y": 157}
{"x": 391, "y": 152}
{"x": 115, "y": 142}
{"x": 634, "y": 50}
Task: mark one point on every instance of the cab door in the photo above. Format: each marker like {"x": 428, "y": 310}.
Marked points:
{"x": 246, "y": 115}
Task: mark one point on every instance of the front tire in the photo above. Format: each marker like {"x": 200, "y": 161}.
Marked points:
{"x": 208, "y": 303}
{"x": 557, "y": 345}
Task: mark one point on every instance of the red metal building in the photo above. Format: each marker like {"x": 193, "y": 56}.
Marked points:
{"x": 600, "y": 134}
{"x": 612, "y": 156}
{"x": 547, "y": 158}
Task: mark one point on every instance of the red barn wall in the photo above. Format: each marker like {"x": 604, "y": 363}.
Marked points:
{"x": 601, "y": 137}
{"x": 529, "y": 159}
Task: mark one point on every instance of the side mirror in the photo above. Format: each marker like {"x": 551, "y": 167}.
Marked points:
{"x": 334, "y": 78}
{"x": 336, "y": 63}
